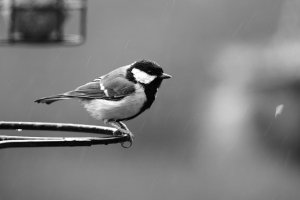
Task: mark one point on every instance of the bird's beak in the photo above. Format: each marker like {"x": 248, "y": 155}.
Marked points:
{"x": 165, "y": 76}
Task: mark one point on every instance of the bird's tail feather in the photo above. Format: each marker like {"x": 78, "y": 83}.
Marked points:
{"x": 49, "y": 100}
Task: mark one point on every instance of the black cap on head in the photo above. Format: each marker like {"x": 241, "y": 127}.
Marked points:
{"x": 149, "y": 67}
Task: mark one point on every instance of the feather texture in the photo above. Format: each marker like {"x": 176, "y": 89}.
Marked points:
{"x": 113, "y": 87}
{"x": 124, "y": 109}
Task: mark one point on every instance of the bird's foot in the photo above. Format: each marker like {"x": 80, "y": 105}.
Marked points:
{"x": 124, "y": 132}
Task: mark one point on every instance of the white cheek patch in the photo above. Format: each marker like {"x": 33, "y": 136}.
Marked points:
{"x": 103, "y": 88}
{"x": 142, "y": 77}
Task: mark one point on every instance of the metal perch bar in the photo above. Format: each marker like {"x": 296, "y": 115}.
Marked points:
{"x": 57, "y": 127}
{"x": 26, "y": 141}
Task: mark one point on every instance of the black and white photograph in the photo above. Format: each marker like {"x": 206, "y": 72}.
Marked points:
{"x": 149, "y": 100}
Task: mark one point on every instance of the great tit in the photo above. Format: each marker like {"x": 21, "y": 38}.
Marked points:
{"x": 120, "y": 95}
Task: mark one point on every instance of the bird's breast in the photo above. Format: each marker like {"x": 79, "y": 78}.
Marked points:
{"x": 117, "y": 110}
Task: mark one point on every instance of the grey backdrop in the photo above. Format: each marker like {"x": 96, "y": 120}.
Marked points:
{"x": 172, "y": 157}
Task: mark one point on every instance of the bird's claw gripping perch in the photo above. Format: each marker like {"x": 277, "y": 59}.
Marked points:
{"x": 125, "y": 133}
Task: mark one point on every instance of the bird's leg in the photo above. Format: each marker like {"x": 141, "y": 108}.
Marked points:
{"x": 122, "y": 128}
{"x": 117, "y": 125}
{"x": 127, "y": 130}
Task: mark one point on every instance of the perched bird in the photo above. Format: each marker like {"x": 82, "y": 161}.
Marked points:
{"x": 120, "y": 95}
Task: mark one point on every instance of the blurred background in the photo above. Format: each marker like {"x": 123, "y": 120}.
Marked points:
{"x": 211, "y": 134}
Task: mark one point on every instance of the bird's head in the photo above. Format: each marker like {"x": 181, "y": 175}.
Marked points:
{"x": 147, "y": 72}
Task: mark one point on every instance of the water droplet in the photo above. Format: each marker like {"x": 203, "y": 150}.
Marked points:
{"x": 279, "y": 110}
{"x": 19, "y": 130}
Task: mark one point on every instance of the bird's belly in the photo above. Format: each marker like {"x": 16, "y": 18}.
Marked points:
{"x": 116, "y": 110}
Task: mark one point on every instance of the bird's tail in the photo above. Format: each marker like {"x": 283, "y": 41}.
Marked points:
{"x": 51, "y": 99}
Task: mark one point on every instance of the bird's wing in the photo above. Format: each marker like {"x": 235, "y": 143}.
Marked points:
{"x": 110, "y": 87}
